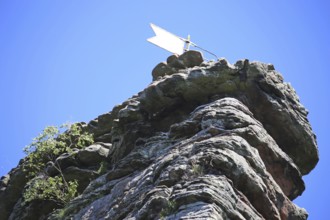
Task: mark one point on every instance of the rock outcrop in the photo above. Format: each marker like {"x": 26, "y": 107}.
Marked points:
{"x": 205, "y": 140}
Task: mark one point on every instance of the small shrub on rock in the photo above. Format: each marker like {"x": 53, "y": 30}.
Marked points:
{"x": 51, "y": 143}
{"x": 46, "y": 147}
{"x": 53, "y": 189}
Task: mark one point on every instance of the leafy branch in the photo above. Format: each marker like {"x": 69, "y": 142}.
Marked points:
{"x": 47, "y": 146}
{"x": 51, "y": 189}
{"x": 51, "y": 143}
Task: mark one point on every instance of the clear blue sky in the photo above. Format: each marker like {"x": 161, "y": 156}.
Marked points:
{"x": 72, "y": 60}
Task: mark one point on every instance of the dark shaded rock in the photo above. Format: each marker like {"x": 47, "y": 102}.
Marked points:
{"x": 184, "y": 129}
{"x": 172, "y": 58}
{"x": 101, "y": 125}
{"x": 130, "y": 111}
{"x": 51, "y": 169}
{"x": 243, "y": 71}
{"x": 83, "y": 176}
{"x": 191, "y": 58}
{"x": 93, "y": 155}
{"x": 175, "y": 62}
{"x": 161, "y": 70}
{"x": 12, "y": 186}
{"x": 37, "y": 209}
{"x": 67, "y": 159}
{"x": 105, "y": 138}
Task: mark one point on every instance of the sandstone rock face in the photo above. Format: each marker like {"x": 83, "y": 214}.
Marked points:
{"x": 205, "y": 140}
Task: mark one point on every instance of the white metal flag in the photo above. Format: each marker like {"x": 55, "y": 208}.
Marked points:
{"x": 167, "y": 40}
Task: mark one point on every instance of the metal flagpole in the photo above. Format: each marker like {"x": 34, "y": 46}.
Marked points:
{"x": 188, "y": 43}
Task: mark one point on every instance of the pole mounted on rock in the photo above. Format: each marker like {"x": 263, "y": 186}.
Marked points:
{"x": 173, "y": 43}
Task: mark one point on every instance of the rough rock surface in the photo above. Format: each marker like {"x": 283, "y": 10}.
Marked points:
{"x": 205, "y": 140}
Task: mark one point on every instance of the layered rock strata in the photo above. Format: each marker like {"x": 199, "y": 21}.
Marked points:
{"x": 205, "y": 140}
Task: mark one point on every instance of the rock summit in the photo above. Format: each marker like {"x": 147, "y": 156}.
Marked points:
{"x": 205, "y": 140}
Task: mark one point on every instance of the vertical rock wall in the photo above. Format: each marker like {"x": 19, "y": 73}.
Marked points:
{"x": 205, "y": 140}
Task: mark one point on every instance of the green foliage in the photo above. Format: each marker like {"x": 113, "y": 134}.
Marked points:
{"x": 47, "y": 146}
{"x": 103, "y": 168}
{"x": 51, "y": 143}
{"x": 169, "y": 209}
{"x": 51, "y": 188}
{"x": 58, "y": 214}
{"x": 197, "y": 170}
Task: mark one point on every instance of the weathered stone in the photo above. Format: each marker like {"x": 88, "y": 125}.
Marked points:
{"x": 12, "y": 191}
{"x": 273, "y": 103}
{"x": 191, "y": 58}
{"x": 184, "y": 129}
{"x": 37, "y": 209}
{"x": 130, "y": 112}
{"x": 4, "y": 180}
{"x": 101, "y": 125}
{"x": 217, "y": 174}
{"x": 105, "y": 138}
{"x": 93, "y": 155}
{"x": 67, "y": 159}
{"x": 172, "y": 58}
{"x": 83, "y": 176}
{"x": 175, "y": 62}
{"x": 205, "y": 140}
{"x": 161, "y": 70}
